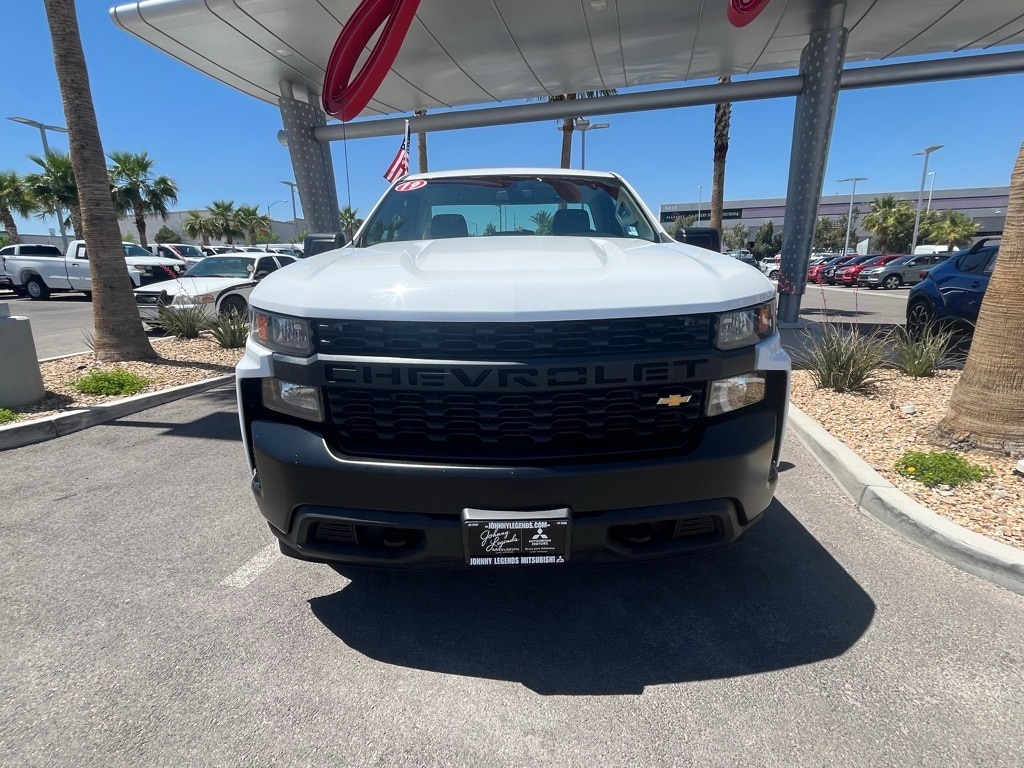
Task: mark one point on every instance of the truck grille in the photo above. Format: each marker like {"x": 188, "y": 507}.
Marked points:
{"x": 672, "y": 334}
{"x": 501, "y": 426}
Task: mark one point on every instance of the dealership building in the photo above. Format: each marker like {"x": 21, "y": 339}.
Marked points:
{"x": 986, "y": 205}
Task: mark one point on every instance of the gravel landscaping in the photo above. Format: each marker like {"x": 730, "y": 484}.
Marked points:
{"x": 897, "y": 415}
{"x": 879, "y": 426}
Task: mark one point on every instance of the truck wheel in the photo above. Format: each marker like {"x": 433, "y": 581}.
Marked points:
{"x": 234, "y": 304}
{"x": 892, "y": 281}
{"x": 36, "y": 288}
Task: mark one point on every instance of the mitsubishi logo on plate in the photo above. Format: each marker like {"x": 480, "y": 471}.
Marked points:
{"x": 673, "y": 400}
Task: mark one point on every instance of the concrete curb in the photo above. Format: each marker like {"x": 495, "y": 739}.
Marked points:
{"x": 998, "y": 563}
{"x": 20, "y": 434}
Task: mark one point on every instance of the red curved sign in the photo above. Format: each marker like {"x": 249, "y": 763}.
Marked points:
{"x": 742, "y": 12}
{"x": 345, "y": 96}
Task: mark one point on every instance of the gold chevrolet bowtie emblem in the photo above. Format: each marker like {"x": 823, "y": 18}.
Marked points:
{"x": 673, "y": 400}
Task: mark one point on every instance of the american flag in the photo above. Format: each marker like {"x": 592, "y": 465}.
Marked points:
{"x": 400, "y": 165}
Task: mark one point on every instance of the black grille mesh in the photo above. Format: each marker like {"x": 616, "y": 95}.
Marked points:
{"x": 672, "y": 334}
{"x": 502, "y": 426}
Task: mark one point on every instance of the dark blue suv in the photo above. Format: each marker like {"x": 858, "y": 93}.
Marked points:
{"x": 952, "y": 291}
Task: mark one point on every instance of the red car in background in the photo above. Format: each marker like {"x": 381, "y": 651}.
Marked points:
{"x": 848, "y": 274}
{"x": 816, "y": 272}
{"x": 841, "y": 270}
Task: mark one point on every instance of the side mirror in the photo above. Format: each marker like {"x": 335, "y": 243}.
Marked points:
{"x": 261, "y": 273}
{"x": 702, "y": 237}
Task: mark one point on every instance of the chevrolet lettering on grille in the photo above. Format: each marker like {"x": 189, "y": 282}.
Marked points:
{"x": 473, "y": 377}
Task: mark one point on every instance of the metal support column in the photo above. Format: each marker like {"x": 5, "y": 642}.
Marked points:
{"x": 311, "y": 161}
{"x": 821, "y": 65}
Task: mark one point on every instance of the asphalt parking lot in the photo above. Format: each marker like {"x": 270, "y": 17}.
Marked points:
{"x": 147, "y": 620}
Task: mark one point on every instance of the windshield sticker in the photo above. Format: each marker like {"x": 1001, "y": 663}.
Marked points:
{"x": 409, "y": 186}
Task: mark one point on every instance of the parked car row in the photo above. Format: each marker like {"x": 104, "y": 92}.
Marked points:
{"x": 889, "y": 270}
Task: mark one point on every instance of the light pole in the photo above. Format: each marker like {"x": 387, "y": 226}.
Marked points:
{"x": 849, "y": 216}
{"x": 583, "y": 125}
{"x": 930, "y": 190}
{"x": 43, "y": 128}
{"x": 295, "y": 217}
{"x": 271, "y": 205}
{"x": 700, "y": 200}
{"x": 924, "y": 175}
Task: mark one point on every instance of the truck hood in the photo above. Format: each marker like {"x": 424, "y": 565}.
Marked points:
{"x": 512, "y": 278}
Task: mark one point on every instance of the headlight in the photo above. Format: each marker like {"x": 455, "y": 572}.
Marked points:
{"x": 290, "y": 335}
{"x": 735, "y": 392}
{"x": 745, "y": 326}
{"x": 293, "y": 399}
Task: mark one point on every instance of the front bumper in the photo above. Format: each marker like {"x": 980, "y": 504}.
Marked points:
{"x": 700, "y": 501}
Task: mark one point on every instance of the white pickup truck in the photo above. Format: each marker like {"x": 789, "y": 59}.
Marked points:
{"x": 41, "y": 275}
{"x": 512, "y": 367}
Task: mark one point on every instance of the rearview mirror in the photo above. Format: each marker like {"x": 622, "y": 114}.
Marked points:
{"x": 702, "y": 237}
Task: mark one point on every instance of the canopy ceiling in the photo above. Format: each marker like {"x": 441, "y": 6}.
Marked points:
{"x": 460, "y": 52}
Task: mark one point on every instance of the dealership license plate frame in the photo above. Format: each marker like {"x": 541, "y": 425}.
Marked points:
{"x": 498, "y": 538}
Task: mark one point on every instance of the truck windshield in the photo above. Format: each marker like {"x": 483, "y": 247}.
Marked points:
{"x": 222, "y": 266}
{"x": 130, "y": 249}
{"x": 497, "y": 205}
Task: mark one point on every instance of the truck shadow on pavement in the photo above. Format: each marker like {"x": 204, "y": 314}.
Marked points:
{"x": 776, "y": 599}
{"x": 220, "y": 425}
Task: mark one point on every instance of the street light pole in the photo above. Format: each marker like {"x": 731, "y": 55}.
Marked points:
{"x": 583, "y": 125}
{"x": 295, "y": 217}
{"x": 930, "y": 190}
{"x": 43, "y": 128}
{"x": 271, "y": 205}
{"x": 920, "y": 194}
{"x": 700, "y": 200}
{"x": 849, "y": 216}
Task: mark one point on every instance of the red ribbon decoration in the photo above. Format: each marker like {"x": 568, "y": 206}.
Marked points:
{"x": 345, "y": 96}
{"x": 742, "y": 12}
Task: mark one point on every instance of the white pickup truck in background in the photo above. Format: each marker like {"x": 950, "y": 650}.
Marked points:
{"x": 40, "y": 275}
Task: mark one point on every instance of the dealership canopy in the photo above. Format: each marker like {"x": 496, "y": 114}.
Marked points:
{"x": 397, "y": 56}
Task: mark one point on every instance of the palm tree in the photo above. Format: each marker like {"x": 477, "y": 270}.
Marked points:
{"x": 421, "y": 147}
{"x": 252, "y": 222}
{"x": 197, "y": 227}
{"x": 885, "y": 215}
{"x": 15, "y": 197}
{"x": 569, "y": 123}
{"x": 137, "y": 191}
{"x": 986, "y": 409}
{"x": 118, "y": 334}
{"x": 222, "y": 220}
{"x": 953, "y": 228}
{"x": 55, "y": 189}
{"x": 350, "y": 221}
{"x": 544, "y": 221}
{"x": 723, "y": 118}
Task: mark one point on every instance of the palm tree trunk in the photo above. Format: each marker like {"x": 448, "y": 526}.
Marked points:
{"x": 75, "y": 216}
{"x": 568, "y": 125}
{"x": 421, "y": 147}
{"x": 723, "y": 117}
{"x": 7, "y": 219}
{"x": 986, "y": 409}
{"x": 118, "y": 331}
{"x": 140, "y": 222}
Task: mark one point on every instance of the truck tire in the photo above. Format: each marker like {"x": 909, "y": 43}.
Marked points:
{"x": 36, "y": 289}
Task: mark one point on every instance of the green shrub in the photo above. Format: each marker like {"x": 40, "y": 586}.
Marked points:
{"x": 922, "y": 353}
{"x": 939, "y": 468}
{"x": 231, "y": 330}
{"x": 7, "y": 415}
{"x": 184, "y": 322}
{"x": 843, "y": 360}
{"x": 115, "y": 382}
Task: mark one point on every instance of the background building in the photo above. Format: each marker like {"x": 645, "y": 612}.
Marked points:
{"x": 987, "y": 205}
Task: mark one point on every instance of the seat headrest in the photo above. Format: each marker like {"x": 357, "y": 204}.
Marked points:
{"x": 448, "y": 225}
{"x": 570, "y": 221}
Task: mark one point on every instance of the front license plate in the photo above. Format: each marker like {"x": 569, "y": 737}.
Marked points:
{"x": 497, "y": 537}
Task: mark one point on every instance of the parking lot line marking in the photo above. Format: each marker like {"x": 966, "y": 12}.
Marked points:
{"x": 245, "y": 575}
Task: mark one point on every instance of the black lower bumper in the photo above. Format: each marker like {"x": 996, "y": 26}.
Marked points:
{"x": 343, "y": 509}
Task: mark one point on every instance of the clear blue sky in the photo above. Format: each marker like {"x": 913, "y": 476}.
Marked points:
{"x": 217, "y": 143}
